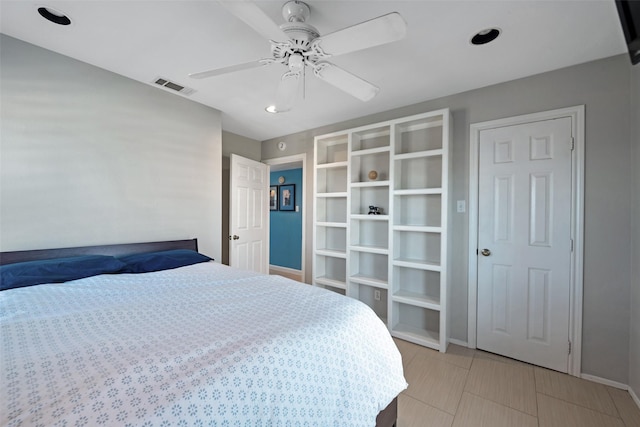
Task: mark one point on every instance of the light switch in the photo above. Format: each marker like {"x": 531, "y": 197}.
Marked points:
{"x": 461, "y": 206}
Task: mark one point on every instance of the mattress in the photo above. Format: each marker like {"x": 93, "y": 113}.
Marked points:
{"x": 202, "y": 345}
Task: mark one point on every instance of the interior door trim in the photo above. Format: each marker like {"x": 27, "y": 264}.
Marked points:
{"x": 298, "y": 159}
{"x": 577, "y": 115}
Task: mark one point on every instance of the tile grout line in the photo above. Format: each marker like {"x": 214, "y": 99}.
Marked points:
{"x": 582, "y": 406}
{"x": 535, "y": 383}
{"x": 615, "y": 405}
{"x": 466, "y": 379}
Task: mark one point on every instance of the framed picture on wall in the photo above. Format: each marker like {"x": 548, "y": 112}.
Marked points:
{"x": 273, "y": 198}
{"x": 287, "y": 196}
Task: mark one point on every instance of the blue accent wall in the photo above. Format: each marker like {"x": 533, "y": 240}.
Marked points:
{"x": 285, "y": 245}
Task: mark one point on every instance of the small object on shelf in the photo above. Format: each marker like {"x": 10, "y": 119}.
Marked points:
{"x": 375, "y": 210}
{"x": 373, "y": 175}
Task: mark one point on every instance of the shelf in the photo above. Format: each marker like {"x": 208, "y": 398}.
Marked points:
{"x": 416, "y": 173}
{"x": 376, "y": 298}
{"x": 333, "y": 165}
{"x": 363, "y": 217}
{"x": 369, "y": 281}
{"x": 370, "y": 184}
{"x": 417, "y": 191}
{"x": 332, "y": 224}
{"x": 395, "y": 263}
{"x": 331, "y": 253}
{"x": 417, "y": 228}
{"x": 420, "y": 336}
{"x": 419, "y": 154}
{"x": 331, "y": 195}
{"x": 421, "y": 210}
{"x": 325, "y": 281}
{"x": 370, "y": 249}
{"x": 419, "y": 300}
{"x": 419, "y": 125}
{"x": 419, "y": 264}
{"x": 371, "y": 151}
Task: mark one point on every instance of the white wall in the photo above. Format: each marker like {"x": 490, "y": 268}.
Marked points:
{"x": 634, "y": 344}
{"x": 603, "y": 86}
{"x": 90, "y": 157}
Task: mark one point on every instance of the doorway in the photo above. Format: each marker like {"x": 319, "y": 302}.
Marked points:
{"x": 297, "y": 161}
{"x": 525, "y": 237}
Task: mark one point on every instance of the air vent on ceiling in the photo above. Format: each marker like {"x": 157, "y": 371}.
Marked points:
{"x": 173, "y": 86}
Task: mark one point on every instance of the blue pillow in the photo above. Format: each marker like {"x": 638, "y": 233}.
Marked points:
{"x": 163, "y": 260}
{"x": 56, "y": 270}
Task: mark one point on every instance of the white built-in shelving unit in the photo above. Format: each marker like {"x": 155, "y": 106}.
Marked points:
{"x": 395, "y": 262}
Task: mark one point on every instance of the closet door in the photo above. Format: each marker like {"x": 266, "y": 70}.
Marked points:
{"x": 524, "y": 239}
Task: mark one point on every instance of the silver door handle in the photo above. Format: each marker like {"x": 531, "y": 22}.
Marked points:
{"x": 485, "y": 252}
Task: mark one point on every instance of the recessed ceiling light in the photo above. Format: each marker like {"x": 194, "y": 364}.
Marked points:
{"x": 54, "y": 16}
{"x": 273, "y": 110}
{"x": 485, "y": 36}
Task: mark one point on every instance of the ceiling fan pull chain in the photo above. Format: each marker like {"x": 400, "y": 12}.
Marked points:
{"x": 304, "y": 82}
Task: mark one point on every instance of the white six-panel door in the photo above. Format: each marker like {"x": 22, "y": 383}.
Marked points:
{"x": 524, "y": 242}
{"x": 249, "y": 215}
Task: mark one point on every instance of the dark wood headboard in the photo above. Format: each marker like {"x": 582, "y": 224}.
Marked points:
{"x": 113, "y": 250}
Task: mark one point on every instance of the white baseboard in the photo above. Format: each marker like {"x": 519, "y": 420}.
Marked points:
{"x": 458, "y": 342}
{"x": 604, "y": 381}
{"x": 285, "y": 270}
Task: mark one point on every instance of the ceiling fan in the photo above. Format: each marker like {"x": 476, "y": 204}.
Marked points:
{"x": 298, "y": 45}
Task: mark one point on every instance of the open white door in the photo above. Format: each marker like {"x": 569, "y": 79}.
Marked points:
{"x": 249, "y": 215}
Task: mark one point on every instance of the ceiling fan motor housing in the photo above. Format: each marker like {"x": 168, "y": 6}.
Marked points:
{"x": 299, "y": 32}
{"x": 295, "y": 11}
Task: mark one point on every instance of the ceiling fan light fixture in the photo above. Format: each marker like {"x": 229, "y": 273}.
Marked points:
{"x": 485, "y": 36}
{"x": 54, "y": 16}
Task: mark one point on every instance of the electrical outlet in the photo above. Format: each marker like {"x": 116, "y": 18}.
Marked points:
{"x": 376, "y": 295}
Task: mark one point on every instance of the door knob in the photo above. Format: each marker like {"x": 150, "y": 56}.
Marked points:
{"x": 485, "y": 252}
{"x": 234, "y": 237}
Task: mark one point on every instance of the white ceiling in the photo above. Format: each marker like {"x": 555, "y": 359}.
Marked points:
{"x": 172, "y": 38}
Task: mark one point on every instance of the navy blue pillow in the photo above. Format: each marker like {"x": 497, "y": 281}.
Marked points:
{"x": 163, "y": 260}
{"x": 56, "y": 270}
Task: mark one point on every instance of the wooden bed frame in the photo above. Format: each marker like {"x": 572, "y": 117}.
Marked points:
{"x": 386, "y": 418}
{"x": 113, "y": 250}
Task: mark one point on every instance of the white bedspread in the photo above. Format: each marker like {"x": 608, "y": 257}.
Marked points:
{"x": 203, "y": 345}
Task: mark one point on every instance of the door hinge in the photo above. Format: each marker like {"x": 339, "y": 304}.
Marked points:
{"x": 572, "y": 143}
{"x": 571, "y": 245}
{"x": 569, "y": 348}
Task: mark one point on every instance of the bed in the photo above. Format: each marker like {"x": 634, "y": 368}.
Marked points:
{"x": 198, "y": 344}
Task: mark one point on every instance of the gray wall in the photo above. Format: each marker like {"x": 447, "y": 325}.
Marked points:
{"x": 634, "y": 344}
{"x": 242, "y": 146}
{"x": 603, "y": 86}
{"x": 90, "y": 157}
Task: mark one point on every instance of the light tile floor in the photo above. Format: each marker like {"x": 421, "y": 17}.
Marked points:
{"x": 472, "y": 388}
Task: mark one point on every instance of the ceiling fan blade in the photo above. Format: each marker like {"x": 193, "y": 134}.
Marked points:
{"x": 254, "y": 17}
{"x": 225, "y": 70}
{"x": 345, "y": 81}
{"x": 383, "y": 29}
{"x": 287, "y": 91}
